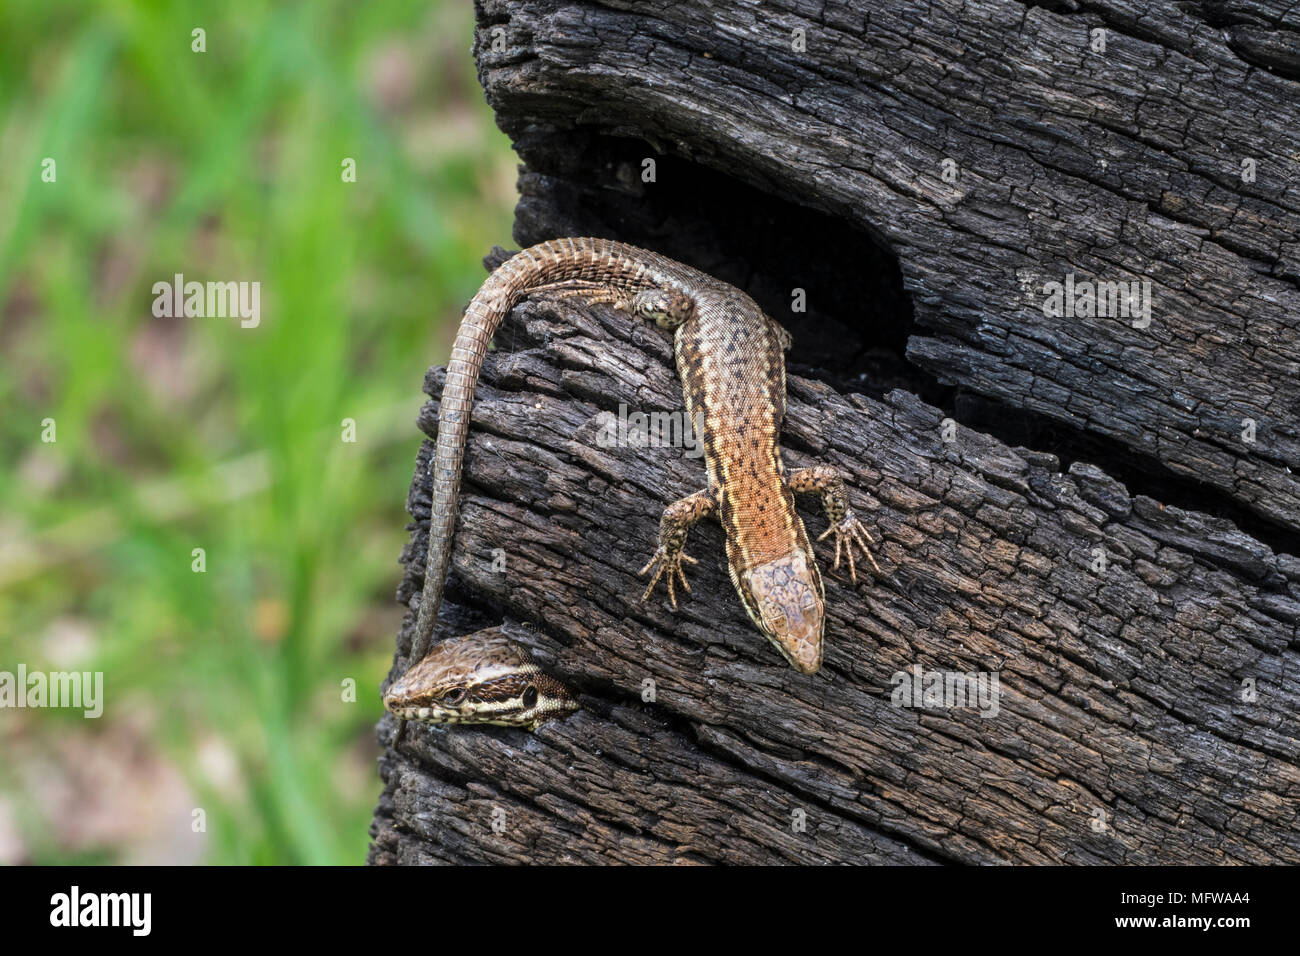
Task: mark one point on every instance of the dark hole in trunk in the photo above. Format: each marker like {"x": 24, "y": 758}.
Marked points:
{"x": 853, "y": 335}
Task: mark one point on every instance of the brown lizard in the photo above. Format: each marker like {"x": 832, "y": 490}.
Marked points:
{"x": 481, "y": 678}
{"x": 731, "y": 360}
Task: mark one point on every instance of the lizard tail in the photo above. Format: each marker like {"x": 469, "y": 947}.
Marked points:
{"x": 557, "y": 260}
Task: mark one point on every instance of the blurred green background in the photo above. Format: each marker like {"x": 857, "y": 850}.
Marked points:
{"x": 224, "y": 690}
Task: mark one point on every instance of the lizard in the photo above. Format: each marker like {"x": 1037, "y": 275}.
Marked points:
{"x": 481, "y": 678}
{"x": 730, "y": 357}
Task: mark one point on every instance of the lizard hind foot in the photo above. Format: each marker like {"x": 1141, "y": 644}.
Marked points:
{"x": 666, "y": 308}
{"x": 849, "y": 531}
{"x": 591, "y": 292}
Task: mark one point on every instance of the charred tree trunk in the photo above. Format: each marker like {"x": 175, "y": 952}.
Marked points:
{"x": 1098, "y": 509}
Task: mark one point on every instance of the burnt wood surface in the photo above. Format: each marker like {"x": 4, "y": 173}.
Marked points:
{"x": 1067, "y": 502}
{"x": 1122, "y": 691}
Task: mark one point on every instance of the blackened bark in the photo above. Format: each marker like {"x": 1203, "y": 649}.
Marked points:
{"x": 1144, "y": 631}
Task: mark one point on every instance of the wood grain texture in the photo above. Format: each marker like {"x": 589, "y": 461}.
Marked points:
{"x": 1148, "y": 712}
{"x": 1119, "y": 166}
{"x": 1121, "y": 692}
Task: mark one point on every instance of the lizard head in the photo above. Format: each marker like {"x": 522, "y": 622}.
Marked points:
{"x": 785, "y": 602}
{"x": 482, "y": 678}
{"x": 666, "y": 308}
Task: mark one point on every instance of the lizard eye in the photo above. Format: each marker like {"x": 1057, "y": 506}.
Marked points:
{"x": 454, "y": 696}
{"x": 530, "y": 696}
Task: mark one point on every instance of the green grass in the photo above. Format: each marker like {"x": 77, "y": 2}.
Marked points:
{"x": 176, "y": 434}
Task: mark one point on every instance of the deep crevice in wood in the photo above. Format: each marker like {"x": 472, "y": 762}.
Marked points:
{"x": 767, "y": 246}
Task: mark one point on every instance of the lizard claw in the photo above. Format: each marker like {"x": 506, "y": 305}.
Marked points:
{"x": 672, "y": 563}
{"x": 849, "y": 531}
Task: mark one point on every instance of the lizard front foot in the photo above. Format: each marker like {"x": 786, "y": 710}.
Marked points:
{"x": 669, "y": 560}
{"x": 849, "y": 531}
{"x": 673, "y": 528}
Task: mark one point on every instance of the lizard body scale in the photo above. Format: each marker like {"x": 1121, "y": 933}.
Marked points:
{"x": 730, "y": 358}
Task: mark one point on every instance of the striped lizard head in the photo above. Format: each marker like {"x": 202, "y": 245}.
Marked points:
{"x": 482, "y": 678}
{"x": 784, "y": 599}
